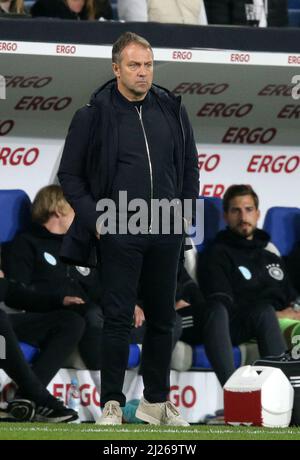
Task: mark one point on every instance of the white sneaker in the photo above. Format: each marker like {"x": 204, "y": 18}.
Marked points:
{"x": 111, "y": 415}
{"x": 159, "y": 413}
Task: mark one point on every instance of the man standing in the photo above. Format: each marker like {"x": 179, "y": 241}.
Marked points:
{"x": 245, "y": 284}
{"x": 133, "y": 137}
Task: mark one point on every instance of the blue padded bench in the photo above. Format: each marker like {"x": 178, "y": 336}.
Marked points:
{"x": 283, "y": 225}
{"x": 294, "y": 18}
{"x": 29, "y": 351}
{"x": 213, "y": 220}
{"x": 294, "y": 13}
{"x": 294, "y": 4}
{"x": 200, "y": 359}
{"x": 134, "y": 358}
{"x": 14, "y": 213}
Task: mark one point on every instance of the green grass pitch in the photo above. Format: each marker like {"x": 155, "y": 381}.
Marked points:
{"x": 86, "y": 431}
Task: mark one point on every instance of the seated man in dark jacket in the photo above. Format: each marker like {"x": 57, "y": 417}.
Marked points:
{"x": 33, "y": 401}
{"x": 233, "y": 12}
{"x": 245, "y": 284}
{"x": 34, "y": 260}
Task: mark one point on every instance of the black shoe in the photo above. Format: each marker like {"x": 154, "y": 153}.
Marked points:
{"x": 283, "y": 358}
{"x": 54, "y": 412}
{"x": 20, "y": 410}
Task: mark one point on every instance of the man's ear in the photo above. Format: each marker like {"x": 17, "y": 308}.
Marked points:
{"x": 116, "y": 69}
{"x": 57, "y": 213}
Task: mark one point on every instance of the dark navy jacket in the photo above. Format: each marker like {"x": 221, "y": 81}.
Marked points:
{"x": 242, "y": 273}
{"x": 88, "y": 164}
{"x": 34, "y": 260}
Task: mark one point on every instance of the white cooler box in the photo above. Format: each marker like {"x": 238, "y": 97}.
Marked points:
{"x": 260, "y": 396}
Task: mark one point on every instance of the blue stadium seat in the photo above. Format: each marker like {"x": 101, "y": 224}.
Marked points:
{"x": 213, "y": 220}
{"x": 14, "y": 213}
{"x": 29, "y": 351}
{"x": 134, "y": 356}
{"x": 294, "y": 13}
{"x": 15, "y": 216}
{"x": 200, "y": 359}
{"x": 283, "y": 225}
{"x": 294, "y": 4}
{"x": 294, "y": 18}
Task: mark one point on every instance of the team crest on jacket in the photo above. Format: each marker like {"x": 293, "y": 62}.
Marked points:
{"x": 84, "y": 271}
{"x": 275, "y": 272}
{"x": 50, "y": 258}
{"x": 245, "y": 272}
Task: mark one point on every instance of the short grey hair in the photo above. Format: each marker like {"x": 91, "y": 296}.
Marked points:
{"x": 123, "y": 41}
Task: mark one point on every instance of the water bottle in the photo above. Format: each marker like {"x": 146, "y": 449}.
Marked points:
{"x": 129, "y": 411}
{"x": 73, "y": 397}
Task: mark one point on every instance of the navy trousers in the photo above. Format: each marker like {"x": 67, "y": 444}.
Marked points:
{"x": 127, "y": 262}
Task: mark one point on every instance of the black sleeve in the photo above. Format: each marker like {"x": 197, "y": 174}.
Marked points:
{"x": 21, "y": 297}
{"x": 187, "y": 289}
{"x": 191, "y": 171}
{"x": 21, "y": 260}
{"x": 73, "y": 166}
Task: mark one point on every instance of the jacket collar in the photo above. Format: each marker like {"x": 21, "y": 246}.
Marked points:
{"x": 103, "y": 94}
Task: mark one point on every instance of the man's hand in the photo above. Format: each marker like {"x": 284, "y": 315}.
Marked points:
{"x": 72, "y": 300}
{"x": 186, "y": 224}
{"x": 1, "y": 274}
{"x": 98, "y": 229}
{"x": 289, "y": 313}
{"x": 181, "y": 304}
{"x": 138, "y": 316}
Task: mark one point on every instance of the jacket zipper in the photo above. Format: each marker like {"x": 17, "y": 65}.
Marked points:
{"x": 183, "y": 138}
{"x": 150, "y": 166}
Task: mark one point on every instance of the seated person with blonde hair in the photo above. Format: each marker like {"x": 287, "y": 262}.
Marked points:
{"x": 34, "y": 260}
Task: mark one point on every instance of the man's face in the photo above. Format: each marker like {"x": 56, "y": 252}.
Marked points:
{"x": 76, "y": 5}
{"x": 242, "y": 216}
{"x": 134, "y": 72}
